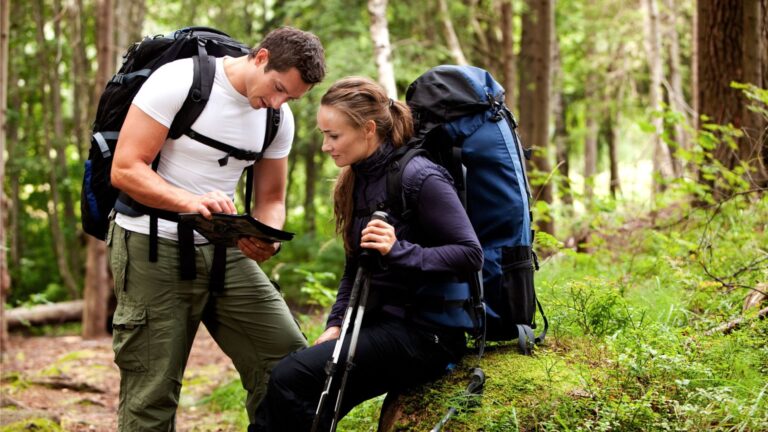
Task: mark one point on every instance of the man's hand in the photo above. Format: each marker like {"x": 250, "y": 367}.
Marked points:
{"x": 257, "y": 250}
{"x": 212, "y": 202}
{"x": 330, "y": 333}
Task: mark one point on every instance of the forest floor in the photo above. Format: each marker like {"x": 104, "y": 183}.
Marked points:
{"x": 74, "y": 383}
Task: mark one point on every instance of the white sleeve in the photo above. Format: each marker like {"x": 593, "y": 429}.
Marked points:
{"x": 164, "y": 92}
{"x": 281, "y": 145}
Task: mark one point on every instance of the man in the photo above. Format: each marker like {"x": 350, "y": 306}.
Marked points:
{"x": 158, "y": 313}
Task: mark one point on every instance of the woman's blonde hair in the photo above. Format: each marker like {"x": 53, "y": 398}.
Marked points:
{"x": 361, "y": 99}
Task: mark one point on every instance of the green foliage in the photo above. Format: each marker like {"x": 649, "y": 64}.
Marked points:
{"x": 33, "y": 424}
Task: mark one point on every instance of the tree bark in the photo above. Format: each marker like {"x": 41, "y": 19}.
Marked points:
{"x": 450, "y": 34}
{"x": 5, "y": 280}
{"x": 377, "y": 9}
{"x": 719, "y": 58}
{"x": 754, "y": 56}
{"x": 97, "y": 281}
{"x": 508, "y": 54}
{"x": 662, "y": 157}
{"x": 535, "y": 80}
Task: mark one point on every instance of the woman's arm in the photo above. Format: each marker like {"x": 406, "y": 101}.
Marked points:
{"x": 441, "y": 216}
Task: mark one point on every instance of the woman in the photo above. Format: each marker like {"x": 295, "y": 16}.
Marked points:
{"x": 361, "y": 129}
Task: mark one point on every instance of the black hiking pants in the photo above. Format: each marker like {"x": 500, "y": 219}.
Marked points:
{"x": 392, "y": 354}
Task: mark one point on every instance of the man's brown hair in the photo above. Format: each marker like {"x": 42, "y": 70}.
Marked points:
{"x": 290, "y": 47}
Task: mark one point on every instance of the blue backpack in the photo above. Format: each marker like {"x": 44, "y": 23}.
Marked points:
{"x": 461, "y": 123}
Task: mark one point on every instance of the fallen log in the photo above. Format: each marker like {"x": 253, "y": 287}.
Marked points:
{"x": 54, "y": 313}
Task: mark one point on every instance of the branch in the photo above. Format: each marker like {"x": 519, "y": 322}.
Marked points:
{"x": 729, "y": 327}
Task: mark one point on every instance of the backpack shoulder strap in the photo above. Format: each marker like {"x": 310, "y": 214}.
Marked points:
{"x": 396, "y": 199}
{"x": 270, "y": 131}
{"x": 199, "y": 93}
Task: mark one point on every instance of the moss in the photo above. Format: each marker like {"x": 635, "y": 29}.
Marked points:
{"x": 33, "y": 424}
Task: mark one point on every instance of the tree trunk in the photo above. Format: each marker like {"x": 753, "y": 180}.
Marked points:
{"x": 535, "y": 78}
{"x": 719, "y": 58}
{"x": 590, "y": 140}
{"x": 508, "y": 53}
{"x": 613, "y": 134}
{"x": 676, "y": 94}
{"x": 5, "y": 280}
{"x": 662, "y": 157}
{"x": 754, "y": 56}
{"x": 129, "y": 19}
{"x": 474, "y": 23}
{"x": 97, "y": 281}
{"x": 562, "y": 143}
{"x": 81, "y": 95}
{"x": 311, "y": 171}
{"x": 59, "y": 241}
{"x": 381, "y": 47}
{"x": 450, "y": 34}
{"x": 56, "y": 313}
{"x": 60, "y": 147}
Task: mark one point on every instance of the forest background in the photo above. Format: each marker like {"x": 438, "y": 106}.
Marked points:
{"x": 648, "y": 123}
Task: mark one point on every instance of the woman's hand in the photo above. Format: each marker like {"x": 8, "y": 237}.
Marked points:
{"x": 330, "y": 333}
{"x": 378, "y": 235}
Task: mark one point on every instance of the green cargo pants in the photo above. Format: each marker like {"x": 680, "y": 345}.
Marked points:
{"x": 158, "y": 315}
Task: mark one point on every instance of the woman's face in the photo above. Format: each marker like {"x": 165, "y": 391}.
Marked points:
{"x": 344, "y": 142}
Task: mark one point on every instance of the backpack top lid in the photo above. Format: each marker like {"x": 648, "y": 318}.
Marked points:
{"x": 447, "y": 92}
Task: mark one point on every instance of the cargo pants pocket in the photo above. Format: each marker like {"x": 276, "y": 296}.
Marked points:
{"x": 130, "y": 339}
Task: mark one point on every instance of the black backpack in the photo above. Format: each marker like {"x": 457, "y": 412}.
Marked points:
{"x": 203, "y": 44}
{"x": 461, "y": 123}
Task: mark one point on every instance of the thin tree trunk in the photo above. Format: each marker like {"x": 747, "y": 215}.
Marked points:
{"x": 377, "y": 9}
{"x": 311, "y": 171}
{"x": 535, "y": 80}
{"x": 81, "y": 95}
{"x": 450, "y": 34}
{"x": 590, "y": 141}
{"x": 60, "y": 146}
{"x": 754, "y": 55}
{"x": 662, "y": 158}
{"x": 491, "y": 60}
{"x": 59, "y": 241}
{"x": 474, "y": 23}
{"x": 613, "y": 134}
{"x": 562, "y": 148}
{"x": 562, "y": 143}
{"x": 5, "y": 280}
{"x": 675, "y": 90}
{"x": 508, "y": 53}
{"x": 97, "y": 280}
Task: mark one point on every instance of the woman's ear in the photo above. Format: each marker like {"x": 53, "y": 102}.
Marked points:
{"x": 370, "y": 130}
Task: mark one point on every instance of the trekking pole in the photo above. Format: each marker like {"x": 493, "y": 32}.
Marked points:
{"x": 355, "y": 310}
{"x": 475, "y": 387}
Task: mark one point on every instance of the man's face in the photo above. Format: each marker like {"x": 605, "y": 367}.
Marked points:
{"x": 273, "y": 88}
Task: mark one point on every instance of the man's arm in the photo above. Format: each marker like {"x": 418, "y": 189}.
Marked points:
{"x": 141, "y": 139}
{"x": 269, "y": 183}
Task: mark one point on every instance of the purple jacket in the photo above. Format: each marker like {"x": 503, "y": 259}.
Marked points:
{"x": 436, "y": 242}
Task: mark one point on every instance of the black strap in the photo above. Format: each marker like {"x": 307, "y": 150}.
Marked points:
{"x": 226, "y": 148}
{"x": 396, "y": 199}
{"x": 218, "y": 268}
{"x": 199, "y": 92}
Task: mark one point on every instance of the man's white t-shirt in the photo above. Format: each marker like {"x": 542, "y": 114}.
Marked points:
{"x": 191, "y": 165}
